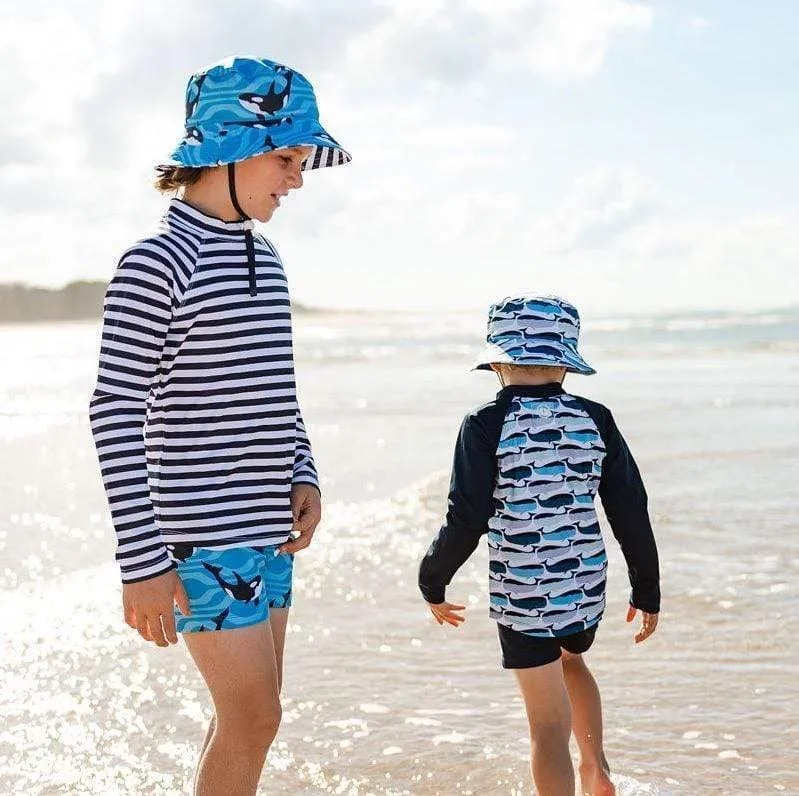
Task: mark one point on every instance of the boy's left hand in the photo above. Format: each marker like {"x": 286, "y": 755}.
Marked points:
{"x": 650, "y": 622}
{"x": 447, "y": 612}
{"x": 306, "y": 508}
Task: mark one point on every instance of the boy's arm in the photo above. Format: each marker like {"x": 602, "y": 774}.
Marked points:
{"x": 304, "y": 467}
{"x": 306, "y": 499}
{"x": 625, "y": 501}
{"x": 136, "y": 317}
{"x": 470, "y": 506}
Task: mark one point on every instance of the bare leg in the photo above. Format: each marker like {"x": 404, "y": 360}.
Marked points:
{"x": 278, "y": 619}
{"x": 586, "y": 707}
{"x": 548, "y": 715}
{"x": 240, "y": 669}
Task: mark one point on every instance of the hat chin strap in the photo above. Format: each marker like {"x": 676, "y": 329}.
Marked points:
{"x": 248, "y": 241}
{"x": 231, "y": 183}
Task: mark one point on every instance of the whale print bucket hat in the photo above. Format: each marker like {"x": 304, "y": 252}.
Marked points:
{"x": 533, "y": 330}
{"x": 242, "y": 107}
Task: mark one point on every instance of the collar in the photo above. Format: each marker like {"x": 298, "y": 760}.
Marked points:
{"x": 181, "y": 214}
{"x": 531, "y": 391}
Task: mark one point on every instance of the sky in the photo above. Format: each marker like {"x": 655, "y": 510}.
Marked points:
{"x": 635, "y": 157}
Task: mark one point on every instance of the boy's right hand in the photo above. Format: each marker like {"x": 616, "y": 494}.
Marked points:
{"x": 148, "y": 607}
{"x": 648, "y": 624}
{"x": 447, "y": 612}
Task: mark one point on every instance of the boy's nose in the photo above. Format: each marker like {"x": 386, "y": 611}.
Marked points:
{"x": 295, "y": 180}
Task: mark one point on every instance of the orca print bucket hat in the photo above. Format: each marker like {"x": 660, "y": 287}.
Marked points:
{"x": 533, "y": 330}
{"x": 242, "y": 106}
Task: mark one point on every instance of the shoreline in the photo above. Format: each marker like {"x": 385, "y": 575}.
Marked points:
{"x": 82, "y": 300}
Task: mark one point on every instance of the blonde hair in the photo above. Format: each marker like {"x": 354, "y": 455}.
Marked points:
{"x": 172, "y": 178}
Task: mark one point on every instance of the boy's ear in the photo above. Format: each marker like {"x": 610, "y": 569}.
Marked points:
{"x": 494, "y": 367}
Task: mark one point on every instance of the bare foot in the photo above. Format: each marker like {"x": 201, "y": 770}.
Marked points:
{"x": 595, "y": 780}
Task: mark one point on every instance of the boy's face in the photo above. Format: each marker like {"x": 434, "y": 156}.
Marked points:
{"x": 261, "y": 181}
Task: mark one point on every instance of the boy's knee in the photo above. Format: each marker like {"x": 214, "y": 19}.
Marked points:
{"x": 551, "y": 734}
{"x": 264, "y": 723}
{"x": 251, "y": 725}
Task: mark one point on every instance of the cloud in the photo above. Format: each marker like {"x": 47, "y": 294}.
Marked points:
{"x": 603, "y": 206}
{"x": 441, "y": 206}
{"x": 699, "y": 23}
{"x": 99, "y": 101}
{"x": 453, "y": 41}
{"x": 615, "y": 243}
{"x": 106, "y": 81}
{"x": 144, "y": 94}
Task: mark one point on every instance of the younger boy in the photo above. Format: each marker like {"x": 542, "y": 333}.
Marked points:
{"x": 527, "y": 468}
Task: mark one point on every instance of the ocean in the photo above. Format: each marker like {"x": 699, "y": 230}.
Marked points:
{"x": 378, "y": 699}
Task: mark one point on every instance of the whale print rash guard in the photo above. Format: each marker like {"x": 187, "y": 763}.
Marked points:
{"x": 195, "y": 416}
{"x": 527, "y": 469}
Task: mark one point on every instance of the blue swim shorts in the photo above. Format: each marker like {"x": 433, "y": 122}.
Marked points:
{"x": 231, "y": 588}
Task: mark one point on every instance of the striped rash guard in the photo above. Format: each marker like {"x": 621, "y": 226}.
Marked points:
{"x": 195, "y": 415}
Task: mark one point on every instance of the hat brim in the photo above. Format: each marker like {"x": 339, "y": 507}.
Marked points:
{"x": 323, "y": 156}
{"x": 569, "y": 359}
{"x": 247, "y": 142}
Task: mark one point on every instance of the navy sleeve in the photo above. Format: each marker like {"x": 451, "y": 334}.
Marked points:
{"x": 624, "y": 499}
{"x": 470, "y": 504}
{"x": 304, "y": 467}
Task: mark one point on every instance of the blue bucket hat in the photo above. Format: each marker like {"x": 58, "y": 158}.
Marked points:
{"x": 533, "y": 330}
{"x": 241, "y": 107}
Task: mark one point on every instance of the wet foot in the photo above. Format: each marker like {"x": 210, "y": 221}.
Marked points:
{"x": 595, "y": 780}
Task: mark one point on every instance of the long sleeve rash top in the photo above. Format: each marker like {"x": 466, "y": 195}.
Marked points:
{"x": 195, "y": 415}
{"x": 527, "y": 468}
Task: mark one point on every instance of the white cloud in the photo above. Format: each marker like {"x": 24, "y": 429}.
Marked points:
{"x": 575, "y": 35}
{"x": 99, "y": 100}
{"x": 615, "y": 243}
{"x": 450, "y": 41}
{"x": 699, "y": 23}
{"x": 602, "y": 206}
{"x": 438, "y": 207}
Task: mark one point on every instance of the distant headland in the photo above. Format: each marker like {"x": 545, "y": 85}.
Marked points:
{"x": 77, "y": 301}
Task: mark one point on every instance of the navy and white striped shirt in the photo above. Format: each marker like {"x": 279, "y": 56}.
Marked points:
{"x": 195, "y": 415}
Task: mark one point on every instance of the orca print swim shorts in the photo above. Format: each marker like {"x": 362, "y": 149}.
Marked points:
{"x": 231, "y": 588}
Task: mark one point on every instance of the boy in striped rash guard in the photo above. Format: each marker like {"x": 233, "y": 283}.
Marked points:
{"x": 528, "y": 466}
{"x": 201, "y": 442}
